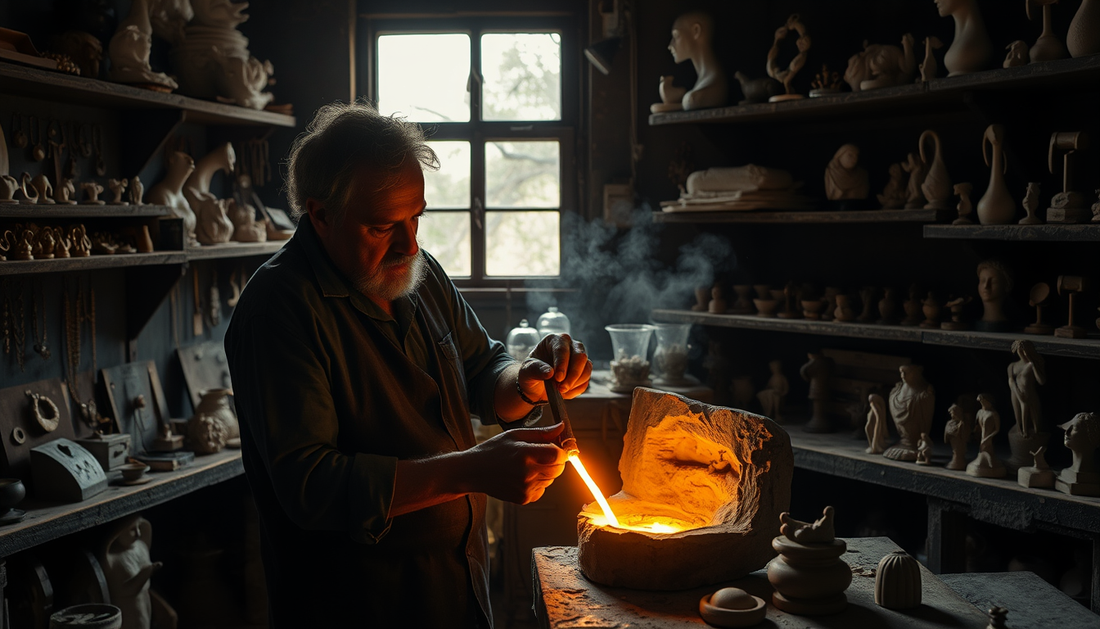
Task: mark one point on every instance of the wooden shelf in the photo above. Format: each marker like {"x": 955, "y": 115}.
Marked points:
{"x": 44, "y": 211}
{"x": 1024, "y": 233}
{"x": 995, "y": 341}
{"x": 57, "y": 265}
{"x": 46, "y": 522}
{"x": 917, "y": 97}
{"x": 26, "y": 81}
{"x": 807, "y": 218}
{"x": 234, "y": 250}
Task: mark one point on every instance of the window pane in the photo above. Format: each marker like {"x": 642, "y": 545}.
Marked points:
{"x": 522, "y": 243}
{"x": 446, "y": 235}
{"x": 522, "y": 174}
{"x": 522, "y": 73}
{"x": 424, "y": 76}
{"x": 449, "y": 187}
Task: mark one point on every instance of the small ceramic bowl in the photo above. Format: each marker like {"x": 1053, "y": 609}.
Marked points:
{"x": 765, "y": 307}
{"x": 132, "y": 471}
{"x": 753, "y": 612}
{"x": 12, "y": 491}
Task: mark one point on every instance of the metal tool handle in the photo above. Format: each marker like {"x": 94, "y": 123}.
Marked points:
{"x": 557, "y": 408}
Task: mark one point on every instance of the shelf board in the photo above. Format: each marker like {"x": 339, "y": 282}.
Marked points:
{"x": 917, "y": 96}
{"x": 26, "y": 81}
{"x": 21, "y": 267}
{"x": 234, "y": 250}
{"x": 46, "y": 522}
{"x": 1000, "y": 499}
{"x": 995, "y": 341}
{"x": 1024, "y": 233}
{"x": 807, "y": 218}
{"x": 45, "y": 211}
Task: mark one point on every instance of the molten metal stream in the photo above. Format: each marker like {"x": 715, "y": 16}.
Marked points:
{"x": 596, "y": 493}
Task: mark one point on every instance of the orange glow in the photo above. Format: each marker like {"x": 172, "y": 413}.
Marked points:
{"x": 596, "y": 493}
{"x": 647, "y": 524}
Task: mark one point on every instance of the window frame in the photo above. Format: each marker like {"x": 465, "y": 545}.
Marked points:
{"x": 478, "y": 132}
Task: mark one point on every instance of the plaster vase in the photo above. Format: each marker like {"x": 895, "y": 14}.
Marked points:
{"x": 215, "y": 403}
{"x": 1083, "y": 37}
{"x": 996, "y": 206}
{"x": 937, "y": 187}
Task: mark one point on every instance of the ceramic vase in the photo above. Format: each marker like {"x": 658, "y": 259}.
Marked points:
{"x": 897, "y": 581}
{"x": 1084, "y": 31}
{"x": 937, "y": 186}
{"x": 971, "y": 49}
{"x": 996, "y": 206}
{"x": 215, "y": 403}
{"x": 809, "y": 579}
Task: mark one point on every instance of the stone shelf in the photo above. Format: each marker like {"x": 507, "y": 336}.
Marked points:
{"x": 1022, "y": 233}
{"x": 233, "y": 250}
{"x": 91, "y": 263}
{"x": 45, "y": 212}
{"x": 806, "y": 218}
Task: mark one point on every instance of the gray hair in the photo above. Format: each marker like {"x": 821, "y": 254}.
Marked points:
{"x": 341, "y": 138}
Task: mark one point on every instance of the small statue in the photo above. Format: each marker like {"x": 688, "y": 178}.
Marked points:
{"x": 127, "y": 567}
{"x": 1024, "y": 378}
{"x": 821, "y": 531}
{"x": 825, "y": 83}
{"x": 918, "y": 170}
{"x": 963, "y": 190}
{"x": 924, "y": 450}
{"x": 987, "y": 465}
{"x": 773, "y": 396}
{"x": 893, "y": 196}
{"x": 937, "y": 186}
{"x": 876, "y": 429}
{"x": 786, "y": 76}
{"x": 808, "y": 575}
{"x": 118, "y": 186}
{"x": 1017, "y": 54}
{"x": 1031, "y": 204}
{"x": 137, "y": 190}
{"x": 717, "y": 303}
{"x": 911, "y": 404}
{"x": 1082, "y": 478}
{"x": 929, "y": 68}
{"x": 844, "y": 178}
{"x": 65, "y": 192}
{"x": 817, "y": 372}
{"x": 971, "y": 48}
{"x": 692, "y": 36}
{"x": 129, "y": 51}
{"x": 994, "y": 285}
{"x": 881, "y": 65}
{"x": 92, "y": 191}
{"x": 957, "y": 433}
{"x": 1038, "y": 474}
{"x": 169, "y": 192}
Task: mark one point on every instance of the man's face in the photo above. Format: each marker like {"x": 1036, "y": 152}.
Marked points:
{"x": 374, "y": 242}
{"x": 991, "y": 285}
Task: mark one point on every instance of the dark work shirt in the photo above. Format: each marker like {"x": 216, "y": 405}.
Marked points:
{"x": 331, "y": 392}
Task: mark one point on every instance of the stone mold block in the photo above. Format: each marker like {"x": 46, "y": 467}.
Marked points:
{"x": 723, "y": 472}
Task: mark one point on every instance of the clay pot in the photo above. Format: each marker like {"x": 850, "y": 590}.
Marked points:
{"x": 809, "y": 579}
{"x": 213, "y": 426}
{"x": 897, "y": 581}
{"x": 12, "y": 491}
{"x": 811, "y": 309}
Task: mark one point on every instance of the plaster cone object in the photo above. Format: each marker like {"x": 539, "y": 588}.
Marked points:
{"x": 996, "y": 206}
{"x": 213, "y": 225}
{"x": 898, "y": 581}
{"x": 721, "y": 474}
{"x": 1083, "y": 38}
{"x": 937, "y": 188}
{"x": 129, "y": 51}
{"x": 169, "y": 192}
{"x": 971, "y": 50}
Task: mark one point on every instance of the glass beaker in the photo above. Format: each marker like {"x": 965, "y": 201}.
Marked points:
{"x": 552, "y": 322}
{"x": 630, "y": 346}
{"x": 671, "y": 356}
{"x": 521, "y": 340}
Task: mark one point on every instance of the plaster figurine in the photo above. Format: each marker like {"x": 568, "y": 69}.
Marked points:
{"x": 757, "y": 90}
{"x": 717, "y": 303}
{"x": 844, "y": 311}
{"x": 8, "y": 186}
{"x": 957, "y": 433}
{"x": 1017, "y": 54}
{"x": 817, "y": 372}
{"x": 92, "y": 191}
{"x": 986, "y": 465}
{"x": 786, "y": 76}
{"x": 1082, "y": 478}
{"x": 924, "y": 450}
{"x": 169, "y": 191}
{"x": 773, "y": 396}
{"x": 671, "y": 96}
{"x": 65, "y": 192}
{"x": 912, "y": 307}
{"x": 137, "y": 190}
{"x": 929, "y": 67}
{"x": 844, "y": 177}
{"x": 1025, "y": 376}
{"x": 1038, "y": 474}
{"x": 918, "y": 170}
{"x": 996, "y": 206}
{"x": 963, "y": 190}
{"x": 893, "y": 196}
{"x": 245, "y": 226}
{"x": 30, "y": 188}
{"x": 118, "y": 186}
{"x": 1083, "y": 38}
{"x": 971, "y": 49}
{"x": 994, "y": 285}
{"x": 911, "y": 404}
{"x": 129, "y": 52}
{"x": 127, "y": 567}
{"x": 876, "y": 429}
{"x": 881, "y": 65}
{"x": 1047, "y": 47}
{"x": 692, "y": 37}
{"x": 1031, "y": 204}
{"x": 936, "y": 187}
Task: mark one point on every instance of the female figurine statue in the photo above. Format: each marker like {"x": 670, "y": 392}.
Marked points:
{"x": 1082, "y": 478}
{"x": 1024, "y": 378}
{"x": 817, "y": 372}
{"x": 844, "y": 177}
{"x": 971, "y": 50}
{"x": 876, "y": 429}
{"x": 213, "y": 224}
{"x": 924, "y": 450}
{"x": 772, "y": 397}
{"x": 957, "y": 433}
{"x": 994, "y": 285}
{"x": 911, "y": 403}
{"x": 987, "y": 465}
{"x": 692, "y": 36}
{"x": 128, "y": 568}
{"x": 170, "y": 192}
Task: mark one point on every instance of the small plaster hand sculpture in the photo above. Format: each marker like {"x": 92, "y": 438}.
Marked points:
{"x": 819, "y": 532}
{"x": 692, "y": 36}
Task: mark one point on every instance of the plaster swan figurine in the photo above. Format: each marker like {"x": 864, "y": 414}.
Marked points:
{"x": 996, "y": 206}
{"x": 937, "y": 186}
{"x": 213, "y": 225}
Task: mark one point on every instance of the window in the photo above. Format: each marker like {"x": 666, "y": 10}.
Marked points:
{"x": 496, "y": 96}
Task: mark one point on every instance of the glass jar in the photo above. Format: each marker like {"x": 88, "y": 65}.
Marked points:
{"x": 671, "y": 356}
{"x": 552, "y": 322}
{"x": 521, "y": 340}
{"x": 630, "y": 346}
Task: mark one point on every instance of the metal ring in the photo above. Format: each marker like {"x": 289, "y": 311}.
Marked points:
{"x": 19, "y": 436}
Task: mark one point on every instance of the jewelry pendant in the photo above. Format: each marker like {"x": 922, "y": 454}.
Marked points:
{"x": 42, "y": 351}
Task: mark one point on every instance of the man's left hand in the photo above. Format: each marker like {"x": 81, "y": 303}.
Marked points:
{"x": 560, "y": 358}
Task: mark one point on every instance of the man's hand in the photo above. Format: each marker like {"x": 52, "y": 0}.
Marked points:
{"x": 560, "y": 358}
{"x": 518, "y": 465}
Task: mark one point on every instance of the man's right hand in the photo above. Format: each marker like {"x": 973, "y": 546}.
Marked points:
{"x": 517, "y": 465}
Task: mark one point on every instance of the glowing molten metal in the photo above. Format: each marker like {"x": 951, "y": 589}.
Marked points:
{"x": 609, "y": 518}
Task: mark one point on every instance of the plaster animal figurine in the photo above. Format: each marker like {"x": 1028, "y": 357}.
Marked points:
{"x": 881, "y": 65}
{"x": 1031, "y": 204}
{"x": 137, "y": 190}
{"x": 118, "y": 186}
{"x": 1038, "y": 474}
{"x": 1082, "y": 477}
{"x": 929, "y": 67}
{"x": 924, "y": 450}
{"x": 44, "y": 244}
{"x": 1017, "y": 54}
{"x": 64, "y": 192}
{"x": 786, "y": 75}
{"x": 1025, "y": 376}
{"x": 994, "y": 285}
{"x": 937, "y": 186}
{"x": 957, "y": 433}
{"x": 963, "y": 190}
{"x": 971, "y": 49}
{"x": 20, "y": 243}
{"x": 817, "y": 372}
{"x": 893, "y": 196}
{"x": 243, "y": 81}
{"x": 34, "y": 188}
{"x": 876, "y": 429}
{"x": 127, "y": 566}
{"x": 82, "y": 245}
{"x": 8, "y": 186}
{"x": 129, "y": 52}
{"x": 918, "y": 170}
{"x": 245, "y": 226}
{"x": 844, "y": 177}
{"x": 692, "y": 38}
{"x": 808, "y": 575}
{"x": 169, "y": 192}
{"x": 820, "y": 531}
{"x": 986, "y": 465}
{"x": 911, "y": 404}
{"x": 671, "y": 96}
{"x": 213, "y": 225}
{"x": 757, "y": 90}
{"x": 92, "y": 191}
{"x": 1047, "y": 47}
{"x": 1083, "y": 38}
{"x": 996, "y": 206}
{"x": 773, "y": 396}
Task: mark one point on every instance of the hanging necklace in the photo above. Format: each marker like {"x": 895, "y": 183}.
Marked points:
{"x": 39, "y": 344}
{"x": 7, "y": 318}
{"x": 19, "y": 334}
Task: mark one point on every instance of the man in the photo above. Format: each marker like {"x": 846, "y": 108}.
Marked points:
{"x": 356, "y": 365}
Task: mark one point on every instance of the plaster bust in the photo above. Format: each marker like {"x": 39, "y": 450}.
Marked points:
{"x": 994, "y": 285}
{"x": 1082, "y": 438}
{"x": 692, "y": 37}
